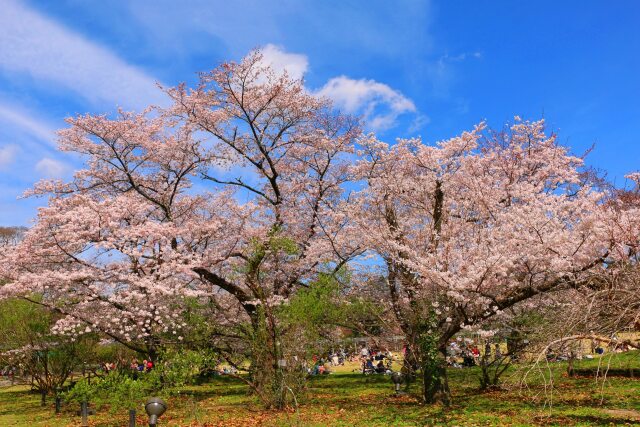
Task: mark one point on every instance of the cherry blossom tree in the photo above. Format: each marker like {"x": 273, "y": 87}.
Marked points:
{"x": 606, "y": 307}
{"x": 100, "y": 251}
{"x": 475, "y": 225}
{"x": 235, "y": 197}
{"x": 295, "y": 155}
{"x": 231, "y": 197}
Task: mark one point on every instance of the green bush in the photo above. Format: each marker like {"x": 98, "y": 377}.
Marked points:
{"x": 82, "y": 391}
{"x": 129, "y": 389}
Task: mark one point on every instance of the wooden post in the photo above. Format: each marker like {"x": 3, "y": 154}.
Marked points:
{"x": 84, "y": 412}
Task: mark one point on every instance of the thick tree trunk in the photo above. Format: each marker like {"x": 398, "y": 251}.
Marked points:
{"x": 411, "y": 360}
{"x": 266, "y": 374}
{"x": 572, "y": 357}
{"x": 435, "y": 380}
{"x": 485, "y": 379}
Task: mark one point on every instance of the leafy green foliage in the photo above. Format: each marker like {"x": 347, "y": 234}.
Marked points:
{"x": 315, "y": 306}
{"x": 82, "y": 391}
{"x": 178, "y": 368}
{"x": 121, "y": 391}
{"x": 125, "y": 389}
{"x": 27, "y": 343}
{"x": 325, "y": 304}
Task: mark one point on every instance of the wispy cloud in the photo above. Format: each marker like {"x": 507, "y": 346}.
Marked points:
{"x": 443, "y": 71}
{"x": 461, "y": 56}
{"x": 418, "y": 123}
{"x": 380, "y": 104}
{"x": 7, "y": 155}
{"x": 15, "y": 117}
{"x": 51, "y": 53}
{"x": 244, "y": 24}
{"x": 51, "y": 168}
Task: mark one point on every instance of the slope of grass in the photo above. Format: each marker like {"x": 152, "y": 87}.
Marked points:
{"x": 345, "y": 398}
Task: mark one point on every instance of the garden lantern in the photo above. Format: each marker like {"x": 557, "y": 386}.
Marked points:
{"x": 397, "y": 378}
{"x": 154, "y": 407}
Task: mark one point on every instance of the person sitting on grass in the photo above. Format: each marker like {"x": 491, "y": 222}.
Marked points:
{"x": 327, "y": 368}
{"x": 335, "y": 361}
{"x": 475, "y": 352}
{"x": 364, "y": 353}
{"x": 468, "y": 359}
{"x": 368, "y": 366}
{"x": 316, "y": 368}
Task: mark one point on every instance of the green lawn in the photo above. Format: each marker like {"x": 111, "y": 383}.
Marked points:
{"x": 350, "y": 399}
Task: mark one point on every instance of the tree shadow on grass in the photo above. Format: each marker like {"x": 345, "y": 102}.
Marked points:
{"x": 350, "y": 381}
{"x": 592, "y": 420}
{"x": 218, "y": 387}
{"x": 19, "y": 400}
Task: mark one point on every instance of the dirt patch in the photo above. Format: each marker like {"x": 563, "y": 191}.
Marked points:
{"x": 630, "y": 414}
{"x": 594, "y": 372}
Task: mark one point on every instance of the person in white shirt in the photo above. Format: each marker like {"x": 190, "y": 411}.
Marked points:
{"x": 364, "y": 352}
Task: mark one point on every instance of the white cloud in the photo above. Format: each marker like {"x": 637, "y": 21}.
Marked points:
{"x": 7, "y": 155}
{"x": 37, "y": 45}
{"x": 50, "y": 168}
{"x": 380, "y": 104}
{"x": 377, "y": 102}
{"x": 296, "y": 65}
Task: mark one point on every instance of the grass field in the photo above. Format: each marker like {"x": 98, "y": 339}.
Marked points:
{"x": 345, "y": 399}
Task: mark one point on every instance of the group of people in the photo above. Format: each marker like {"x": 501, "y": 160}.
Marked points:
{"x": 372, "y": 361}
{"x": 337, "y": 358}
{"x": 9, "y": 373}
{"x": 121, "y": 364}
{"x": 596, "y": 348}
{"x": 145, "y": 366}
{"x": 376, "y": 361}
{"x": 463, "y": 354}
{"x": 108, "y": 367}
{"x": 320, "y": 367}
{"x": 226, "y": 370}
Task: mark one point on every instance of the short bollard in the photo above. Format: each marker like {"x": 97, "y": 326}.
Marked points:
{"x": 154, "y": 407}
{"x": 132, "y": 418}
{"x": 84, "y": 412}
{"x": 58, "y": 400}
{"x": 397, "y": 378}
{"x": 43, "y": 397}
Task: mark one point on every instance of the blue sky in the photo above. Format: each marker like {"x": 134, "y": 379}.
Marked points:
{"x": 410, "y": 67}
